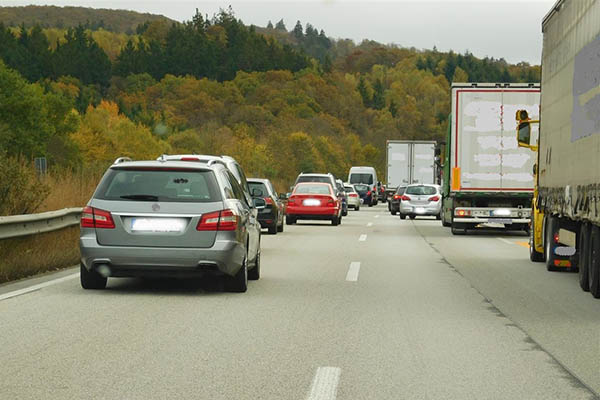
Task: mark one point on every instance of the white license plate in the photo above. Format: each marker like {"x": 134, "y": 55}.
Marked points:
{"x": 311, "y": 202}
{"x": 158, "y": 224}
{"x": 419, "y": 210}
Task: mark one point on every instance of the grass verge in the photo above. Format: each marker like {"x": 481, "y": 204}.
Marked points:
{"x": 31, "y": 255}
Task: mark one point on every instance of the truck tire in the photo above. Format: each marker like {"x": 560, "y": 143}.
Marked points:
{"x": 584, "y": 250}
{"x": 534, "y": 255}
{"x": 550, "y": 229}
{"x": 594, "y": 265}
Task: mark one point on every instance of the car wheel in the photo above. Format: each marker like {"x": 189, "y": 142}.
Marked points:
{"x": 357, "y": 208}
{"x": 273, "y": 229}
{"x": 402, "y": 216}
{"x": 280, "y": 227}
{"x": 394, "y": 212}
{"x": 438, "y": 217}
{"x": 584, "y": 250}
{"x": 534, "y": 255}
{"x": 335, "y": 221}
{"x": 412, "y": 216}
{"x": 289, "y": 220}
{"x": 345, "y": 213}
{"x": 594, "y": 265}
{"x": 239, "y": 282}
{"x": 254, "y": 273}
{"x": 91, "y": 279}
{"x": 549, "y": 245}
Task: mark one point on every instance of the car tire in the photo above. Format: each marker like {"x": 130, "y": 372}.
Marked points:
{"x": 370, "y": 204}
{"x": 254, "y": 273}
{"x": 412, "y": 216}
{"x": 280, "y": 227}
{"x": 273, "y": 229}
{"x": 91, "y": 279}
{"x": 335, "y": 221}
{"x": 438, "y": 217}
{"x": 402, "y": 216}
{"x": 549, "y": 230}
{"x": 394, "y": 212}
{"x": 357, "y": 208}
{"x": 290, "y": 220}
{"x": 534, "y": 255}
{"x": 345, "y": 213}
{"x": 239, "y": 282}
{"x": 594, "y": 265}
{"x": 584, "y": 251}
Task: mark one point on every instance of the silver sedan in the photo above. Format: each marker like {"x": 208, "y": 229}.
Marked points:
{"x": 421, "y": 200}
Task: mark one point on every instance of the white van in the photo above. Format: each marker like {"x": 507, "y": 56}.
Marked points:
{"x": 364, "y": 175}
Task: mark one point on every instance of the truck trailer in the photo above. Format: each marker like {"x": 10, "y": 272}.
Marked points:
{"x": 488, "y": 179}
{"x": 410, "y": 161}
{"x": 569, "y": 142}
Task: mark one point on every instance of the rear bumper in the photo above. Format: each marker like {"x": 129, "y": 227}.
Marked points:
{"x": 353, "y": 202}
{"x": 420, "y": 210}
{"x": 300, "y": 212}
{"x": 506, "y": 221}
{"x": 224, "y": 257}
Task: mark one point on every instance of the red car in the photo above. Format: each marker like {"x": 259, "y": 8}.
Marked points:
{"x": 314, "y": 201}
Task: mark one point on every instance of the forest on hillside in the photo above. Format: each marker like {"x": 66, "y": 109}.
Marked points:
{"x": 279, "y": 101}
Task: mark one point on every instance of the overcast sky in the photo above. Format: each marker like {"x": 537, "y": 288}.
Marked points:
{"x": 500, "y": 29}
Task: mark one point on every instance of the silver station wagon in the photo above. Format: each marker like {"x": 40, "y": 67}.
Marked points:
{"x": 170, "y": 219}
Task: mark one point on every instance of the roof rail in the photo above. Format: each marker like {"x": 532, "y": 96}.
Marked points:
{"x": 122, "y": 159}
{"x": 213, "y": 161}
{"x": 162, "y": 158}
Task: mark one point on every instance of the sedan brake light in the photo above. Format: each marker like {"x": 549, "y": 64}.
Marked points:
{"x": 434, "y": 198}
{"x": 269, "y": 200}
{"x": 397, "y": 197}
{"x": 224, "y": 220}
{"x": 353, "y": 195}
{"x": 95, "y": 218}
{"x": 405, "y": 198}
{"x": 369, "y": 193}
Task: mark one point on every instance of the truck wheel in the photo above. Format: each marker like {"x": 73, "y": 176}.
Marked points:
{"x": 584, "y": 250}
{"x": 534, "y": 255}
{"x": 594, "y": 265}
{"x": 550, "y": 229}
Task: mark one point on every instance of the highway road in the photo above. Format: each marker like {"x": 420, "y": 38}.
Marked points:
{"x": 377, "y": 308}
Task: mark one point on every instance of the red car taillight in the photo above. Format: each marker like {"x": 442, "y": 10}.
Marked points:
{"x": 397, "y": 197}
{"x": 353, "y": 195}
{"x": 269, "y": 201}
{"x": 434, "y": 198}
{"x": 224, "y": 220}
{"x": 95, "y": 218}
{"x": 369, "y": 193}
{"x": 405, "y": 198}
{"x": 330, "y": 203}
{"x": 292, "y": 200}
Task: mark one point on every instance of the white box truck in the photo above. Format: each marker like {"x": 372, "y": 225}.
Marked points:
{"x": 410, "y": 161}
{"x": 488, "y": 178}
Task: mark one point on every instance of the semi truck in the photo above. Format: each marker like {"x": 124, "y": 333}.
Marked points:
{"x": 488, "y": 179}
{"x": 568, "y": 179}
{"x": 410, "y": 161}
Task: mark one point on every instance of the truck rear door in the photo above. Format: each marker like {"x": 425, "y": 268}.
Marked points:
{"x": 398, "y": 164}
{"x": 422, "y": 163}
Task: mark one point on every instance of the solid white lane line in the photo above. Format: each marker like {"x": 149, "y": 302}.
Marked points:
{"x": 37, "y": 287}
{"x": 505, "y": 240}
{"x": 325, "y": 383}
{"x": 370, "y": 224}
{"x": 352, "y": 275}
{"x": 362, "y": 238}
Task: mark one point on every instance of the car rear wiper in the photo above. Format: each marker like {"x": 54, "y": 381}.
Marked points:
{"x": 147, "y": 197}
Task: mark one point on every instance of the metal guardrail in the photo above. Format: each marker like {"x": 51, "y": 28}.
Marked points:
{"x": 30, "y": 224}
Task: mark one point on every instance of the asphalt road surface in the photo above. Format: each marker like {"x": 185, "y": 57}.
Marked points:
{"x": 376, "y": 308}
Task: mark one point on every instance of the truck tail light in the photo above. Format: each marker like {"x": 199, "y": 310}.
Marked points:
{"x": 462, "y": 213}
{"x": 95, "y": 218}
{"x": 556, "y": 238}
{"x": 224, "y": 220}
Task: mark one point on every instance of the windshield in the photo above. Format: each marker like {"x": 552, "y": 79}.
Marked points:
{"x": 312, "y": 189}
{"x": 349, "y": 189}
{"x": 361, "y": 178}
{"x": 421, "y": 190}
{"x": 361, "y": 188}
{"x": 159, "y": 185}
{"x": 401, "y": 190}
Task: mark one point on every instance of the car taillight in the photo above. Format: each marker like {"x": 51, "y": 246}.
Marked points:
{"x": 95, "y": 218}
{"x": 397, "y": 197}
{"x": 292, "y": 200}
{"x": 269, "y": 200}
{"x": 434, "y": 198}
{"x": 405, "y": 198}
{"x": 353, "y": 195}
{"x": 224, "y": 220}
{"x": 369, "y": 193}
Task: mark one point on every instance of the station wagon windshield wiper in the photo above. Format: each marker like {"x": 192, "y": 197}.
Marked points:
{"x": 147, "y": 197}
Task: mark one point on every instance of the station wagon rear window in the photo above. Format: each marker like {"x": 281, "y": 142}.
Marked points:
{"x": 165, "y": 185}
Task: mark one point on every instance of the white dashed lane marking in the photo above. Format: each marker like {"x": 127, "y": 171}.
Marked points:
{"x": 352, "y": 275}
{"x": 325, "y": 383}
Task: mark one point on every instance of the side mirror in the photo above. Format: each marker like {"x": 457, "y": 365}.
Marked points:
{"x": 534, "y": 169}
{"x": 259, "y": 203}
{"x": 524, "y": 134}
{"x": 288, "y": 195}
{"x": 283, "y": 196}
{"x": 291, "y": 188}
{"x": 438, "y": 152}
{"x": 257, "y": 193}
